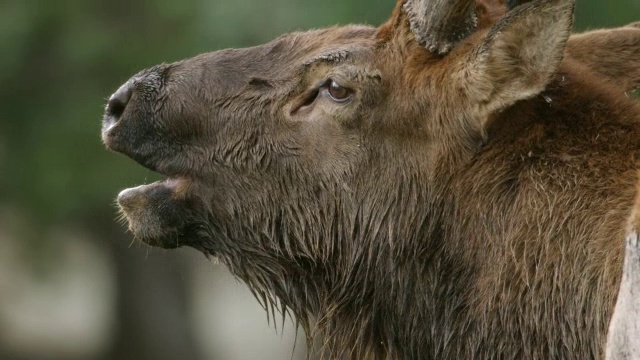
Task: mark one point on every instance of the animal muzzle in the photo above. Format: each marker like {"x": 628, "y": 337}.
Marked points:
{"x": 130, "y": 121}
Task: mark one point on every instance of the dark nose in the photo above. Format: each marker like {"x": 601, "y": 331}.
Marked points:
{"x": 118, "y": 102}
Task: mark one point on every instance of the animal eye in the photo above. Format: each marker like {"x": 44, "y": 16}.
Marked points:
{"x": 337, "y": 92}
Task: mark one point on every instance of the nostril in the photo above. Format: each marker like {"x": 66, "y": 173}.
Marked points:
{"x": 115, "y": 107}
{"x": 118, "y": 101}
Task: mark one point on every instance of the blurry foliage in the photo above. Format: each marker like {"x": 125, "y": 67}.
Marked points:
{"x": 593, "y": 14}
{"x": 61, "y": 59}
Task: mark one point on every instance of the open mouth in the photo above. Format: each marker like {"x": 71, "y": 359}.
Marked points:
{"x": 157, "y": 213}
{"x": 161, "y": 213}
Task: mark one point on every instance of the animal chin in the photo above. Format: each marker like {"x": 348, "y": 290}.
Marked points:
{"x": 155, "y": 212}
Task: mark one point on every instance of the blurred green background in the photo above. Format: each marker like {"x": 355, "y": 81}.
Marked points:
{"x": 71, "y": 286}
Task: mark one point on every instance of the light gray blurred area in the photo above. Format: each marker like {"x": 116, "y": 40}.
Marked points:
{"x": 65, "y": 307}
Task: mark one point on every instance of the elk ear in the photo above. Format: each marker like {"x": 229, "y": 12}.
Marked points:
{"x": 519, "y": 56}
{"x": 611, "y": 53}
{"x": 439, "y": 24}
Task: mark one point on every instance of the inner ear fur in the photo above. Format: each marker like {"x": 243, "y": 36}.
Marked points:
{"x": 519, "y": 55}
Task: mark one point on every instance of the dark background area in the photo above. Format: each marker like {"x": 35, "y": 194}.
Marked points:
{"x": 72, "y": 284}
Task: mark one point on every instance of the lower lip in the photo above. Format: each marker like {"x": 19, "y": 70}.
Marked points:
{"x": 178, "y": 186}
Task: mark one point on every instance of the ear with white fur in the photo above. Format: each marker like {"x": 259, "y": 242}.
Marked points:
{"x": 519, "y": 56}
{"x": 439, "y": 24}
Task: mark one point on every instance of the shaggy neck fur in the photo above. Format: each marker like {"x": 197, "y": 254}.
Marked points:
{"x": 366, "y": 269}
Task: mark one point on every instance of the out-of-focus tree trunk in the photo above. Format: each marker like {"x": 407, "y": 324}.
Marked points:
{"x": 153, "y": 320}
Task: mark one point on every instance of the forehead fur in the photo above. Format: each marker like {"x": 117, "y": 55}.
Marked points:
{"x": 279, "y": 60}
{"x": 322, "y": 40}
{"x": 304, "y": 48}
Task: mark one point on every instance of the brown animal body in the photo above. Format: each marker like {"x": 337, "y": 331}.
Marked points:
{"x": 423, "y": 190}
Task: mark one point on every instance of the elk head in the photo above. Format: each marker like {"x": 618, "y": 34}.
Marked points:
{"x": 317, "y": 163}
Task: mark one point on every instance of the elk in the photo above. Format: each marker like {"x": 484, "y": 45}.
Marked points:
{"x": 427, "y": 189}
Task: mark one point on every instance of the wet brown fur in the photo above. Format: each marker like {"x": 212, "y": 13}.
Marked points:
{"x": 423, "y": 219}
